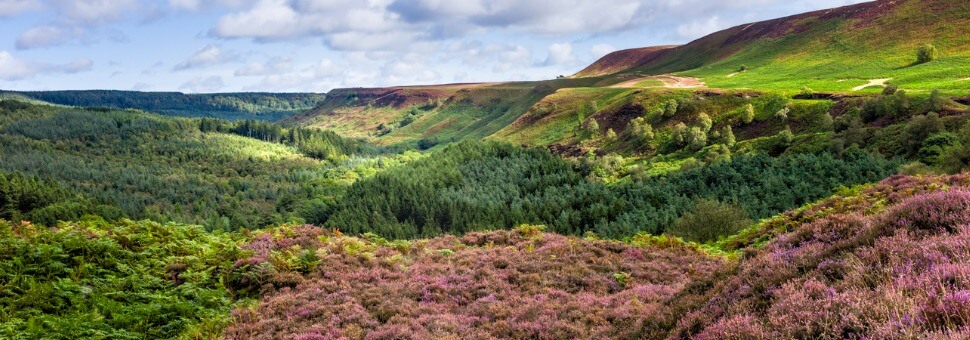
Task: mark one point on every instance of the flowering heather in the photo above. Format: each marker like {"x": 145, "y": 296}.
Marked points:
{"x": 510, "y": 284}
{"x": 901, "y": 272}
{"x": 891, "y": 260}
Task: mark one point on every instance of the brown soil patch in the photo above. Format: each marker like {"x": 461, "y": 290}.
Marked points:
{"x": 669, "y": 81}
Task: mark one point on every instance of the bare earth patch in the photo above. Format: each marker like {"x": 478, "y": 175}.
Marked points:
{"x": 873, "y": 82}
{"x": 673, "y": 82}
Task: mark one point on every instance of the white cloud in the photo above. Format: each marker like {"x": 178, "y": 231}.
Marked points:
{"x": 13, "y": 7}
{"x": 560, "y": 54}
{"x": 208, "y": 55}
{"x": 275, "y": 65}
{"x": 47, "y": 36}
{"x": 141, "y": 87}
{"x": 191, "y": 5}
{"x": 600, "y": 50}
{"x": 13, "y": 68}
{"x": 93, "y": 11}
{"x": 327, "y": 69}
{"x": 697, "y": 29}
{"x": 406, "y": 73}
{"x": 203, "y": 84}
{"x": 76, "y": 66}
{"x": 268, "y": 19}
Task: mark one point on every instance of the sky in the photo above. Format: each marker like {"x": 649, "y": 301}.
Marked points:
{"x": 197, "y": 46}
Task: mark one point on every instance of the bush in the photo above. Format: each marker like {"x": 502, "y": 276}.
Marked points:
{"x": 783, "y": 113}
{"x": 406, "y": 121}
{"x": 807, "y": 92}
{"x": 592, "y": 128}
{"x": 890, "y": 89}
{"x": 671, "y": 108}
{"x": 704, "y": 121}
{"x": 956, "y": 158}
{"x": 747, "y": 116}
{"x": 895, "y": 105}
{"x": 920, "y": 128}
{"x": 696, "y": 138}
{"x": 611, "y": 136}
{"x": 641, "y": 130}
{"x": 727, "y": 136}
{"x": 709, "y": 220}
{"x": 933, "y": 147}
{"x": 926, "y": 53}
{"x": 427, "y": 143}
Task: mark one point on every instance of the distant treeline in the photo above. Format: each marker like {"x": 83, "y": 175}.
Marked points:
{"x": 263, "y": 106}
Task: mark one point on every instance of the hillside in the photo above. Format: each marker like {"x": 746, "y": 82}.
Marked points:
{"x": 262, "y": 106}
{"x": 891, "y": 256}
{"x": 831, "y": 62}
{"x": 837, "y": 49}
{"x": 117, "y": 163}
{"x": 623, "y": 60}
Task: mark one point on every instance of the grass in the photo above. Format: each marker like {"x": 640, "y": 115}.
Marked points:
{"x": 837, "y": 56}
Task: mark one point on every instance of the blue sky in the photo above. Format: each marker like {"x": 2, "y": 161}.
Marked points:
{"x": 318, "y": 45}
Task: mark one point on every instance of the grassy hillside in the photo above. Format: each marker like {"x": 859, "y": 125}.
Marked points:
{"x": 810, "y": 65}
{"x": 263, "y": 106}
{"x": 830, "y": 50}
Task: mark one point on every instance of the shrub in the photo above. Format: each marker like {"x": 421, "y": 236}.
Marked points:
{"x": 933, "y": 147}
{"x": 956, "y": 158}
{"x": 920, "y": 128}
{"x": 727, "y": 136}
{"x": 671, "y": 108}
{"x": 593, "y": 127}
{"x": 926, "y": 53}
{"x": 709, "y": 220}
{"x": 427, "y": 143}
{"x": 747, "y": 115}
{"x": 718, "y": 153}
{"x": 704, "y": 121}
{"x": 890, "y": 89}
{"x": 696, "y": 138}
{"x": 641, "y": 130}
{"x": 785, "y": 137}
{"x": 611, "y": 136}
{"x": 783, "y": 113}
{"x": 679, "y": 134}
{"x": 406, "y": 121}
{"x": 807, "y": 92}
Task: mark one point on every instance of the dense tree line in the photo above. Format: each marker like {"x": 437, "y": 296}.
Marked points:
{"x": 162, "y": 168}
{"x": 320, "y": 144}
{"x": 474, "y": 186}
{"x": 33, "y": 199}
{"x": 265, "y": 106}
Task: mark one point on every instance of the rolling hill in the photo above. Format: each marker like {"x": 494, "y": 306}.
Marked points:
{"x": 820, "y": 191}
{"x": 234, "y": 106}
{"x": 829, "y": 56}
{"x": 830, "y": 50}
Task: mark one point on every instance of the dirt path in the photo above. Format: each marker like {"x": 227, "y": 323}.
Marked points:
{"x": 673, "y": 82}
{"x": 873, "y": 82}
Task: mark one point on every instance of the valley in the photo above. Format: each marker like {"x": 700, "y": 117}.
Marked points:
{"x": 743, "y": 185}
